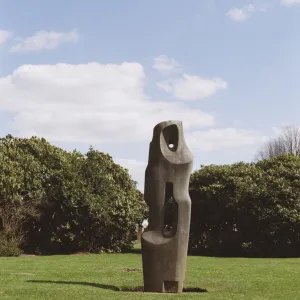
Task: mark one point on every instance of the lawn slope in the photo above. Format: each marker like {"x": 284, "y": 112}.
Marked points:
{"x": 103, "y": 276}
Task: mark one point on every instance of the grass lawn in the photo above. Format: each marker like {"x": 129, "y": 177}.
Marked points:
{"x": 102, "y": 276}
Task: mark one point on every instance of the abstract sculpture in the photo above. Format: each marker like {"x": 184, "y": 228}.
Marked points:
{"x": 165, "y": 241}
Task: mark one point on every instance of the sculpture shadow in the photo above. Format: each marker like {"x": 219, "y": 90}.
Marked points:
{"x": 96, "y": 285}
{"x": 112, "y": 287}
{"x": 194, "y": 290}
{"x": 185, "y": 290}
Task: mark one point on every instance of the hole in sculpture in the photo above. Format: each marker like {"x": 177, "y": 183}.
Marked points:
{"x": 170, "y": 212}
{"x": 171, "y": 137}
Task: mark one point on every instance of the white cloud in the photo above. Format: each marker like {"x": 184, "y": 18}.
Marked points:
{"x": 90, "y": 103}
{"x": 237, "y": 14}
{"x": 276, "y": 130}
{"x": 205, "y": 140}
{"x": 242, "y": 14}
{"x": 222, "y": 138}
{"x": 4, "y": 35}
{"x": 105, "y": 103}
{"x": 191, "y": 87}
{"x": 289, "y": 2}
{"x": 136, "y": 169}
{"x": 44, "y": 40}
{"x": 250, "y": 8}
{"x": 185, "y": 86}
{"x": 166, "y": 65}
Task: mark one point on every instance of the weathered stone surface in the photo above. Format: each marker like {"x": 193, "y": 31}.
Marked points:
{"x": 165, "y": 241}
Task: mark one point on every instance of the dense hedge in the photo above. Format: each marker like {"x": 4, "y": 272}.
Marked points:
{"x": 54, "y": 201}
{"x": 247, "y": 209}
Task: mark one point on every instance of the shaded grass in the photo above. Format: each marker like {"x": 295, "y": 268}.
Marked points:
{"x": 107, "y": 276}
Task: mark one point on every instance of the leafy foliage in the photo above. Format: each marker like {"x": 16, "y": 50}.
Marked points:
{"x": 56, "y": 201}
{"x": 20, "y": 189}
{"x": 247, "y": 209}
{"x": 9, "y": 246}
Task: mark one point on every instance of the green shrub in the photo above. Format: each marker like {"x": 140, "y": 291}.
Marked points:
{"x": 9, "y": 247}
{"x": 247, "y": 209}
{"x": 63, "y": 202}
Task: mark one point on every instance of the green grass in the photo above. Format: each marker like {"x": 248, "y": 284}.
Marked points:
{"x": 101, "y": 276}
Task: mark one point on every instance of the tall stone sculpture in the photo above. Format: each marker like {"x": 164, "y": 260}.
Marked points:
{"x": 165, "y": 241}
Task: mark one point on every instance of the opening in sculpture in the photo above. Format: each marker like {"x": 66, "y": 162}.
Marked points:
{"x": 170, "y": 212}
{"x": 165, "y": 241}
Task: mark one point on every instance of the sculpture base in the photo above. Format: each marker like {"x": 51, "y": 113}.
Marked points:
{"x": 166, "y": 287}
{"x": 173, "y": 286}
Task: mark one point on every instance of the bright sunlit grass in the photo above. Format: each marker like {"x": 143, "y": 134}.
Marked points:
{"x": 103, "y": 276}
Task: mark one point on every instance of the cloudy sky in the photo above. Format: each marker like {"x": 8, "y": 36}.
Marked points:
{"x": 104, "y": 73}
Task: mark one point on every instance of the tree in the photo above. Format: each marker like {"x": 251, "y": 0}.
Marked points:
{"x": 288, "y": 142}
{"x": 20, "y": 193}
{"x": 92, "y": 205}
{"x": 54, "y": 201}
{"x": 247, "y": 209}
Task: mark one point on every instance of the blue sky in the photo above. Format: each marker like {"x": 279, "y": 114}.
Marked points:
{"x": 105, "y": 72}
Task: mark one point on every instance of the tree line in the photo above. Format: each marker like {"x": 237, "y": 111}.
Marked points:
{"x": 247, "y": 209}
{"x": 250, "y": 209}
{"x": 54, "y": 201}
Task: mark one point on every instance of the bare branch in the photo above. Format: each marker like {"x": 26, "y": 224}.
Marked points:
{"x": 288, "y": 142}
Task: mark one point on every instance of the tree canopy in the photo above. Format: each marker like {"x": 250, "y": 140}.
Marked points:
{"x": 54, "y": 201}
{"x": 248, "y": 209}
